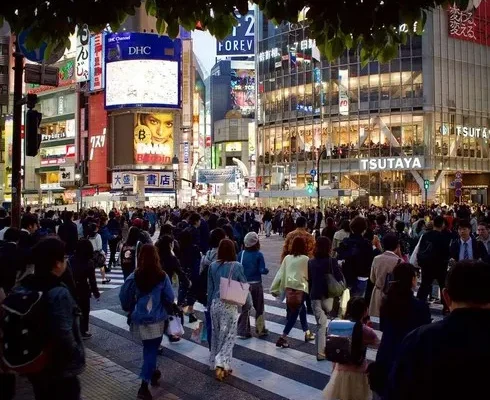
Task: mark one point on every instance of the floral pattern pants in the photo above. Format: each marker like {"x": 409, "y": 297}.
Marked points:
{"x": 224, "y": 320}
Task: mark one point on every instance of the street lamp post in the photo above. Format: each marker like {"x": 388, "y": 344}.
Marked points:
{"x": 78, "y": 177}
{"x": 175, "y": 166}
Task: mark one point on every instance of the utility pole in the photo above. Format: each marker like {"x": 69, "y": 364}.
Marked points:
{"x": 320, "y": 155}
{"x": 16, "y": 139}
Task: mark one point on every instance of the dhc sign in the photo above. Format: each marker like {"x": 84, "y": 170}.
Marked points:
{"x": 391, "y": 164}
{"x": 241, "y": 41}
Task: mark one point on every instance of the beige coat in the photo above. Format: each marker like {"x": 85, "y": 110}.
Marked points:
{"x": 382, "y": 266}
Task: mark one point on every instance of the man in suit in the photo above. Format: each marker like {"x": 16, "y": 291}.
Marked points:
{"x": 466, "y": 247}
{"x": 318, "y": 219}
{"x": 484, "y": 235}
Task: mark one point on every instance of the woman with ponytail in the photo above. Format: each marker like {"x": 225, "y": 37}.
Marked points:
{"x": 400, "y": 314}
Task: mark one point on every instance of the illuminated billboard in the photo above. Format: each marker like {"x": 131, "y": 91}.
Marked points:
{"x": 472, "y": 24}
{"x": 243, "y": 91}
{"x": 142, "y": 70}
{"x": 154, "y": 138}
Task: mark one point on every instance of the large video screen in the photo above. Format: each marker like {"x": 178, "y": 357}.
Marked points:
{"x": 150, "y": 83}
{"x": 243, "y": 91}
{"x": 154, "y": 138}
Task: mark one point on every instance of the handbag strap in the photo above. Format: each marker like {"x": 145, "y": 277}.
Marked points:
{"x": 231, "y": 271}
{"x": 241, "y": 258}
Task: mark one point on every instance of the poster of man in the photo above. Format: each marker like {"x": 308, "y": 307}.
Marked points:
{"x": 154, "y": 138}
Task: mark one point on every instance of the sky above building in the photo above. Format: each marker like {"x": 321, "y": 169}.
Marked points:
{"x": 205, "y": 49}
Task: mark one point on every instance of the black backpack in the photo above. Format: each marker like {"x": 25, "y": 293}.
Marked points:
{"x": 128, "y": 257}
{"x": 350, "y": 252}
{"x": 425, "y": 254}
{"x": 344, "y": 343}
{"x": 26, "y": 344}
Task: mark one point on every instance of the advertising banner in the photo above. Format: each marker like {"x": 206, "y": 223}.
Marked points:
{"x": 154, "y": 138}
{"x": 391, "y": 163}
{"x": 153, "y": 180}
{"x": 67, "y": 175}
{"x": 343, "y": 92}
{"x": 153, "y": 64}
{"x": 187, "y": 86}
{"x": 241, "y": 40}
{"x": 216, "y": 175}
{"x": 97, "y": 55}
{"x": 83, "y": 47}
{"x": 471, "y": 25}
{"x": 243, "y": 91}
{"x": 97, "y": 140}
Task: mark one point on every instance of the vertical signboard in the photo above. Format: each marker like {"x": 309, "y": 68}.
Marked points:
{"x": 82, "y": 61}
{"x": 97, "y": 147}
{"x": 242, "y": 89}
{"x": 471, "y": 24}
{"x": 241, "y": 40}
{"x": 343, "y": 92}
{"x": 186, "y": 83}
{"x": 97, "y": 54}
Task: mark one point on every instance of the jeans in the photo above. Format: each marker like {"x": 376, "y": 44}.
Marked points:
{"x": 209, "y": 327}
{"x": 292, "y": 316}
{"x": 50, "y": 388}
{"x": 257, "y": 293}
{"x": 267, "y": 228}
{"x": 150, "y": 353}
{"x": 321, "y": 308}
{"x": 359, "y": 288}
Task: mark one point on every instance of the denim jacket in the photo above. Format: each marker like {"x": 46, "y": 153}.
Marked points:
{"x": 219, "y": 269}
{"x": 253, "y": 265}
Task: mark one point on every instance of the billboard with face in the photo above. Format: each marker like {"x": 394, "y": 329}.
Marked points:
{"x": 154, "y": 138}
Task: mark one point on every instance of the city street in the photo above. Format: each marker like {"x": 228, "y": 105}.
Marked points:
{"x": 260, "y": 370}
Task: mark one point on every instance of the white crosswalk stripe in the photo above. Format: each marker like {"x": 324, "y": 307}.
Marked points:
{"x": 291, "y": 374}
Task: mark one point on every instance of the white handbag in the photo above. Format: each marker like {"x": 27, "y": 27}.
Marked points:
{"x": 233, "y": 292}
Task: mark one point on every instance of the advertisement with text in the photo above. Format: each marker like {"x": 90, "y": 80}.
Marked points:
{"x": 154, "y": 138}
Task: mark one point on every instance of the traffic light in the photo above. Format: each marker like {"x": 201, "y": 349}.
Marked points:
{"x": 33, "y": 138}
{"x": 426, "y": 184}
{"x": 309, "y": 188}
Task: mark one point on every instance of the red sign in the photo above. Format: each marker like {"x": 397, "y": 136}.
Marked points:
{"x": 208, "y": 141}
{"x": 70, "y": 150}
{"x": 472, "y": 25}
{"x": 97, "y": 145}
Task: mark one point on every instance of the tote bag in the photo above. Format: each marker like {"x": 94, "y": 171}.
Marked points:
{"x": 231, "y": 291}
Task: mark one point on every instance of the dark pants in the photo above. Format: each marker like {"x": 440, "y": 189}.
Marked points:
{"x": 113, "y": 250}
{"x": 48, "y": 388}
{"x": 84, "y": 304}
{"x": 292, "y": 316}
{"x": 7, "y": 386}
{"x": 257, "y": 294}
{"x": 150, "y": 353}
{"x": 428, "y": 276}
{"x": 127, "y": 271}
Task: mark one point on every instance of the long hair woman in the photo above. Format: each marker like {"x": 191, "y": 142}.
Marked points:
{"x": 224, "y": 316}
{"x": 292, "y": 280}
{"x": 401, "y": 312}
{"x": 83, "y": 271}
{"x": 99, "y": 256}
{"x": 321, "y": 300}
{"x": 128, "y": 254}
{"x": 147, "y": 294}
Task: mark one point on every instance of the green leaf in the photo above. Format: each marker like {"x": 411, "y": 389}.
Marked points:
{"x": 421, "y": 23}
{"x": 173, "y": 29}
{"x": 151, "y": 7}
{"x": 388, "y": 52}
{"x": 161, "y": 25}
{"x": 349, "y": 41}
{"x": 365, "y": 56}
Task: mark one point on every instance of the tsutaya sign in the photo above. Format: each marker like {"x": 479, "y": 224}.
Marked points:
{"x": 467, "y": 131}
{"x": 391, "y": 163}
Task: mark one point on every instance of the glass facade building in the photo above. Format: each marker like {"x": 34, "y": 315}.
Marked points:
{"x": 379, "y": 130}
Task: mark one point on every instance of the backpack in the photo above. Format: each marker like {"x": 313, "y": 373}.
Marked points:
{"x": 344, "y": 343}
{"x": 388, "y": 279}
{"x": 128, "y": 257}
{"x": 26, "y": 341}
{"x": 425, "y": 254}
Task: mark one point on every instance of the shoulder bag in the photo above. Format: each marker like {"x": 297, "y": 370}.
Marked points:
{"x": 335, "y": 288}
{"x": 231, "y": 291}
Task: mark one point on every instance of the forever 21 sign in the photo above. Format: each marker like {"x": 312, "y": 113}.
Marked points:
{"x": 241, "y": 40}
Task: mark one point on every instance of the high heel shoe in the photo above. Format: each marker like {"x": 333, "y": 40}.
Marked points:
{"x": 220, "y": 374}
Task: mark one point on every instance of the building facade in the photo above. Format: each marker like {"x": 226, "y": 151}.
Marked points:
{"x": 375, "y": 132}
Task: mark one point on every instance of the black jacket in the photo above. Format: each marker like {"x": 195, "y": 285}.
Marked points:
{"x": 68, "y": 233}
{"x": 84, "y": 278}
{"x": 479, "y": 250}
{"x": 318, "y": 268}
{"x": 446, "y": 360}
{"x": 440, "y": 249}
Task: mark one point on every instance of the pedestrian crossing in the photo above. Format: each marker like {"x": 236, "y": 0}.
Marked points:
{"x": 289, "y": 373}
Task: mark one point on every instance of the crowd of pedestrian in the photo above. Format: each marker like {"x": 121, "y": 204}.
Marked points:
{"x": 352, "y": 264}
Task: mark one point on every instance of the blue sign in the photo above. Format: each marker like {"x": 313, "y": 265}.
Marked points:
{"x": 241, "y": 40}
{"x": 36, "y": 55}
{"x": 142, "y": 70}
{"x": 313, "y": 172}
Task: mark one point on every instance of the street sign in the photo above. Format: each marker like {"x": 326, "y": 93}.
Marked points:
{"x": 41, "y": 74}
{"x": 458, "y": 192}
{"x": 458, "y": 184}
{"x": 313, "y": 172}
{"x": 37, "y": 55}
